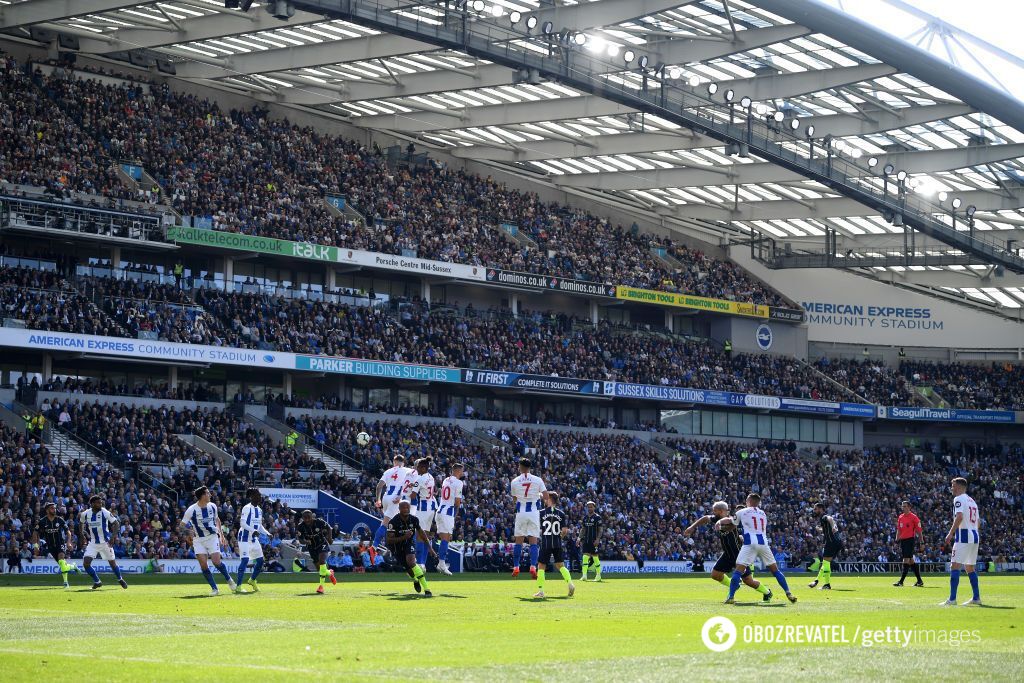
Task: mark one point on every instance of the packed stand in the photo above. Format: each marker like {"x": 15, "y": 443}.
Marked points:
{"x": 43, "y": 300}
{"x": 870, "y": 379}
{"x": 257, "y": 175}
{"x": 984, "y": 386}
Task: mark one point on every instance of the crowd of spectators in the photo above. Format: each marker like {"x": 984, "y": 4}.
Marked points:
{"x": 646, "y": 501}
{"x": 253, "y": 174}
{"x": 871, "y": 380}
{"x": 981, "y": 386}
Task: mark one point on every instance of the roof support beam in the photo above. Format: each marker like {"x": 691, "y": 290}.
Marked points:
{"x": 635, "y": 143}
{"x": 40, "y": 11}
{"x": 782, "y": 86}
{"x": 825, "y": 208}
{"x": 929, "y": 161}
{"x": 688, "y": 50}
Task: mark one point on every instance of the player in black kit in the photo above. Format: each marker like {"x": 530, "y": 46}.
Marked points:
{"x": 590, "y": 531}
{"x": 316, "y": 536}
{"x": 554, "y": 526}
{"x": 833, "y": 546}
{"x": 55, "y": 535}
{"x": 403, "y": 530}
{"x": 729, "y": 535}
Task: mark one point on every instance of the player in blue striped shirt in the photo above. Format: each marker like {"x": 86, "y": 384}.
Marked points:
{"x": 207, "y": 535}
{"x": 249, "y": 548}
{"x": 98, "y": 527}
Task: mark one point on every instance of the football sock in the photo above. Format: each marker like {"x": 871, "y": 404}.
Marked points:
{"x": 420, "y": 576}
{"x": 814, "y": 565}
{"x": 117, "y": 572}
{"x": 903, "y": 574}
{"x": 223, "y": 569}
{"x": 781, "y": 578}
{"x": 540, "y": 579}
{"x": 826, "y": 570}
{"x": 91, "y": 571}
{"x": 378, "y": 535}
{"x": 734, "y": 584}
{"x": 724, "y": 581}
{"x": 257, "y": 568}
{"x": 323, "y": 574}
{"x": 821, "y": 573}
{"x": 584, "y": 566}
{"x": 242, "y": 564}
{"x": 565, "y": 574}
{"x": 973, "y": 576}
{"x": 597, "y": 566}
{"x": 762, "y": 589}
{"x": 209, "y": 578}
{"x": 917, "y": 573}
{"x": 444, "y": 551}
{"x": 517, "y": 555}
{"x": 534, "y": 554}
{"x": 421, "y": 552}
{"x": 954, "y": 581}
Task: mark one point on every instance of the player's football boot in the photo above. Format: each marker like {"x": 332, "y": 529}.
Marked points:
{"x": 330, "y": 575}
{"x": 231, "y": 584}
{"x": 215, "y": 592}
{"x": 767, "y": 597}
{"x": 539, "y": 594}
{"x": 515, "y": 572}
{"x": 730, "y": 601}
{"x": 790, "y": 597}
{"x": 583, "y": 578}
{"x": 971, "y": 602}
{"x": 416, "y": 585}
{"x": 898, "y": 584}
{"x": 597, "y": 579}
{"x": 826, "y": 587}
{"x": 253, "y": 585}
{"x": 320, "y": 590}
{"x": 948, "y": 603}
{"x": 813, "y": 584}
{"x": 572, "y": 589}
{"x": 428, "y": 594}
{"x": 67, "y": 586}
{"x": 919, "y": 584}
{"x": 96, "y": 586}
{"x": 444, "y": 569}
{"x": 533, "y": 572}
{"x": 124, "y": 584}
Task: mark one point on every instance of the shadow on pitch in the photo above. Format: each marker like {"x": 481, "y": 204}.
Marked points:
{"x": 760, "y": 604}
{"x": 550, "y": 597}
{"x": 196, "y": 597}
{"x": 995, "y": 606}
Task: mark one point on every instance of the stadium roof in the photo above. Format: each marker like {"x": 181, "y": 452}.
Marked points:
{"x": 549, "y": 133}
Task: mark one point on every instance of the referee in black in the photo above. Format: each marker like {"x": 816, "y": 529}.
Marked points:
{"x": 55, "y": 535}
{"x": 554, "y": 527}
{"x": 403, "y": 530}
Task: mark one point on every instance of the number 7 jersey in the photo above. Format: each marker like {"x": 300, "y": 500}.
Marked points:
{"x": 527, "y": 490}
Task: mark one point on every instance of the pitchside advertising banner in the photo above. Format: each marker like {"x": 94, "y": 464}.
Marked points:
{"x": 546, "y": 384}
{"x": 257, "y": 358}
{"x": 39, "y": 566}
{"x": 551, "y": 283}
{"x": 623, "y": 567}
{"x": 296, "y": 499}
{"x": 322, "y": 253}
{"x": 736, "y": 400}
{"x": 947, "y": 415}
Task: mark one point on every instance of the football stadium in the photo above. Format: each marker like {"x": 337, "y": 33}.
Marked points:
{"x": 511, "y": 340}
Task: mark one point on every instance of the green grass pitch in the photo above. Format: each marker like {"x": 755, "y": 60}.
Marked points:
{"x": 487, "y": 628}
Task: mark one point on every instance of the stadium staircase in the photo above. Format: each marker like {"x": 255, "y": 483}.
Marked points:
{"x": 929, "y": 397}
{"x": 200, "y": 444}
{"x": 481, "y": 436}
{"x": 335, "y": 461}
{"x": 842, "y": 387}
{"x": 664, "y": 452}
{"x": 514, "y": 234}
{"x": 68, "y": 447}
{"x": 672, "y": 264}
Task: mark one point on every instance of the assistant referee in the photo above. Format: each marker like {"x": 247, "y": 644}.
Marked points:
{"x": 908, "y": 530}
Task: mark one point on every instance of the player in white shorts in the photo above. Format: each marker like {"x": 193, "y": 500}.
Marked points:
{"x": 421, "y": 495}
{"x": 98, "y": 526}
{"x": 527, "y": 490}
{"x": 754, "y": 526}
{"x": 965, "y": 539}
{"x": 447, "y": 511}
{"x": 207, "y": 535}
{"x": 392, "y": 489}
{"x": 249, "y": 546}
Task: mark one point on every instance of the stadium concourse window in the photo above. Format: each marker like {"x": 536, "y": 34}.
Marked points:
{"x": 774, "y": 427}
